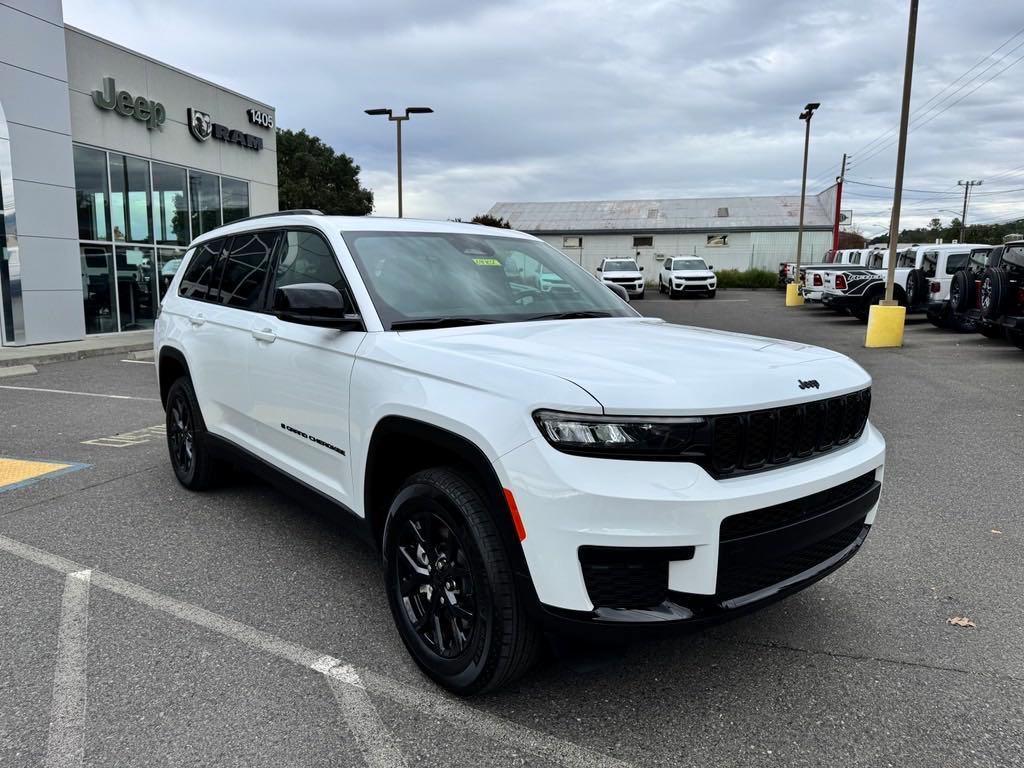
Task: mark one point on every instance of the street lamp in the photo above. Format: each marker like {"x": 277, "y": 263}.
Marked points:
{"x": 793, "y": 297}
{"x": 398, "y": 120}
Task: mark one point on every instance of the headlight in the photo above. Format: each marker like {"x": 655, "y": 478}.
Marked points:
{"x": 651, "y": 437}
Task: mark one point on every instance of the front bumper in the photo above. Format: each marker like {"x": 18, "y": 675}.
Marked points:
{"x": 632, "y": 288}
{"x": 572, "y": 502}
{"x": 694, "y": 286}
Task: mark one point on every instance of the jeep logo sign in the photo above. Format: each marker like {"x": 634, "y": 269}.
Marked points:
{"x": 152, "y": 113}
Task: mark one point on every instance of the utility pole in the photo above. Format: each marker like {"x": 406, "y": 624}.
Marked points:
{"x": 963, "y": 218}
{"x": 901, "y": 156}
{"x": 793, "y": 296}
{"x": 839, "y": 202}
{"x": 886, "y": 320}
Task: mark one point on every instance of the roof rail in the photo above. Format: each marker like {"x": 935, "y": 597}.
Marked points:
{"x": 293, "y": 212}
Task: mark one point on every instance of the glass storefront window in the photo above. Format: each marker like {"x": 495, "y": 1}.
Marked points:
{"x": 169, "y": 260}
{"x": 98, "y": 289}
{"x": 129, "y": 199}
{"x": 236, "y": 199}
{"x": 136, "y": 287}
{"x": 204, "y": 194}
{"x": 91, "y": 194}
{"x": 170, "y": 204}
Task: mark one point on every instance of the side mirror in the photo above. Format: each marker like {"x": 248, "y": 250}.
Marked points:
{"x": 641, "y": 268}
{"x": 600, "y": 269}
{"x": 619, "y": 291}
{"x": 317, "y": 304}
{"x": 711, "y": 267}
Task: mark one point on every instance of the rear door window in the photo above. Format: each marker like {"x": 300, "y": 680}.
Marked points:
{"x": 956, "y": 262}
{"x": 245, "y": 269}
{"x": 200, "y": 280}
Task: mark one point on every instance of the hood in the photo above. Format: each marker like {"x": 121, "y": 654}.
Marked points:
{"x": 648, "y": 366}
{"x": 621, "y": 273}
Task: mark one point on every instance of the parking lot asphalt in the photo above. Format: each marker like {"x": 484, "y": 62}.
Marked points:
{"x": 141, "y": 624}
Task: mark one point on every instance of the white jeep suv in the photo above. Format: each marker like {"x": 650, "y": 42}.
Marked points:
{"x": 524, "y": 460}
{"x": 625, "y": 273}
{"x": 687, "y": 274}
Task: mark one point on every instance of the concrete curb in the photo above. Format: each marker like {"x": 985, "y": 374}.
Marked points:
{"x": 38, "y": 356}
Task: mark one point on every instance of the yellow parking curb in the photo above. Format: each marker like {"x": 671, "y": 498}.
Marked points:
{"x": 16, "y": 473}
{"x": 885, "y": 326}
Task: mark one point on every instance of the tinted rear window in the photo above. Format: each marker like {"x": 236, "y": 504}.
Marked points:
{"x": 245, "y": 269}
{"x": 199, "y": 282}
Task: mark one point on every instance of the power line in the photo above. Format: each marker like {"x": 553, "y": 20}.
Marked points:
{"x": 854, "y": 155}
{"x": 921, "y": 123}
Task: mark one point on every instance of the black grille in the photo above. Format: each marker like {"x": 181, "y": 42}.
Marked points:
{"x": 737, "y": 577}
{"x": 622, "y": 279}
{"x": 780, "y": 515}
{"x": 760, "y": 439}
{"x": 628, "y": 577}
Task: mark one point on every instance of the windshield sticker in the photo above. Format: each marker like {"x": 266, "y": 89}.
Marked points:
{"x": 487, "y": 262}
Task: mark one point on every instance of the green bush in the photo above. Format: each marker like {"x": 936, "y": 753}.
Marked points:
{"x": 747, "y": 278}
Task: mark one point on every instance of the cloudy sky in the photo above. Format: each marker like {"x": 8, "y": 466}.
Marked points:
{"x": 612, "y": 99}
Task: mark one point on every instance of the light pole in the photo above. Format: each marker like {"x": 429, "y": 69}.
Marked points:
{"x": 398, "y": 120}
{"x": 793, "y": 297}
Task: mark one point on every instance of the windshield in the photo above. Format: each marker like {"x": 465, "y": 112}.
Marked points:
{"x": 421, "y": 276}
{"x": 688, "y": 264}
{"x": 621, "y": 265}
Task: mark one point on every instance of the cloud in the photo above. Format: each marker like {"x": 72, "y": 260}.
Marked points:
{"x": 599, "y": 99}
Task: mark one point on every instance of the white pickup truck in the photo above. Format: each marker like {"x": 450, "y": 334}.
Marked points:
{"x": 857, "y": 289}
{"x": 819, "y": 279}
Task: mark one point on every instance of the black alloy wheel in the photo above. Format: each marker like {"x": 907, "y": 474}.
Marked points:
{"x": 436, "y": 583}
{"x": 191, "y": 460}
{"x": 450, "y": 584}
{"x": 181, "y": 434}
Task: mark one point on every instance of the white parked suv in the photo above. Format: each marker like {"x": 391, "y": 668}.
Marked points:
{"x": 524, "y": 460}
{"x": 687, "y": 274}
{"x": 623, "y": 272}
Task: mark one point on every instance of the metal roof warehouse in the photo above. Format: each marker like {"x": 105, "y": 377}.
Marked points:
{"x": 730, "y": 232}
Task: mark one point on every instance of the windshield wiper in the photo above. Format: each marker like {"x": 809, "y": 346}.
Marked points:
{"x": 571, "y": 315}
{"x": 438, "y": 322}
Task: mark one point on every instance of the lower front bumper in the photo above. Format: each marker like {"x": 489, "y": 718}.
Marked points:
{"x": 690, "y": 612}
{"x": 571, "y": 506}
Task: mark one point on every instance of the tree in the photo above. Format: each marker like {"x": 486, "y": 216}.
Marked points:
{"x": 310, "y": 174}
{"x": 490, "y": 221}
{"x": 851, "y": 239}
{"x": 935, "y": 227}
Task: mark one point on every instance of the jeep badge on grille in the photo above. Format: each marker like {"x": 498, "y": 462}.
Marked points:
{"x": 809, "y": 384}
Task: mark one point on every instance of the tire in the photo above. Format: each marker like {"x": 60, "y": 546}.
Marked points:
{"x": 673, "y": 293}
{"x": 995, "y": 290}
{"x": 917, "y": 287}
{"x": 711, "y": 293}
{"x": 961, "y": 292}
{"x": 187, "y": 441}
{"x": 642, "y": 294}
{"x": 483, "y": 636}
{"x": 661, "y": 285}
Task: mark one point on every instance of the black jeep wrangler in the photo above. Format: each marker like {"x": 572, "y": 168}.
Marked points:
{"x": 992, "y": 299}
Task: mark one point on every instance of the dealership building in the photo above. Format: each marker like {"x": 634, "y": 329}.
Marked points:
{"x": 727, "y": 232}
{"x": 110, "y": 163}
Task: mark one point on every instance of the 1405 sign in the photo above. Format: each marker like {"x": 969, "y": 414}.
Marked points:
{"x": 260, "y": 117}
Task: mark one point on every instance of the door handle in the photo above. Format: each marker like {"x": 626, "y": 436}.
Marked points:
{"x": 266, "y": 335}
{"x": 197, "y": 320}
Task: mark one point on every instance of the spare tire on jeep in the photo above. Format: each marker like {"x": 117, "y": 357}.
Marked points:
{"x": 995, "y": 289}
{"x": 961, "y": 291}
{"x": 917, "y": 287}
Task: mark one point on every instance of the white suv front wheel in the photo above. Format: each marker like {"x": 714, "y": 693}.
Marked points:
{"x": 451, "y": 588}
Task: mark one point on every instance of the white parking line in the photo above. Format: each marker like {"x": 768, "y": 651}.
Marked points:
{"x": 432, "y": 701}
{"x": 65, "y": 746}
{"x": 140, "y": 362}
{"x": 374, "y": 739}
{"x": 83, "y": 394}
